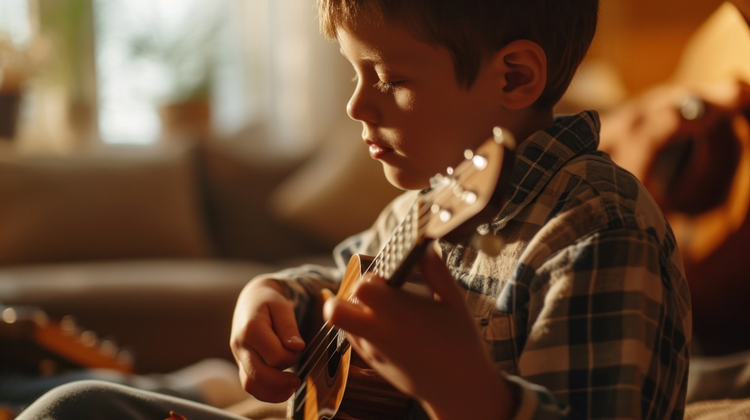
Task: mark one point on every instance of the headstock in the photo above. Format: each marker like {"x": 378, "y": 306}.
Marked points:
{"x": 30, "y": 338}
{"x": 457, "y": 202}
{"x": 464, "y": 192}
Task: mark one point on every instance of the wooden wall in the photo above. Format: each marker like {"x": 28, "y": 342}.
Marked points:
{"x": 643, "y": 39}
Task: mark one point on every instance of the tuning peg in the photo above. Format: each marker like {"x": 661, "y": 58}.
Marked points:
{"x": 9, "y": 315}
{"x": 437, "y": 180}
{"x": 69, "y": 325}
{"x": 480, "y": 162}
{"x": 469, "y": 197}
{"x": 108, "y": 347}
{"x": 89, "y": 339}
{"x": 445, "y": 215}
{"x": 125, "y": 357}
{"x": 505, "y": 138}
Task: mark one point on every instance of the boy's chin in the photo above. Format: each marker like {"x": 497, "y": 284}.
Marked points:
{"x": 405, "y": 180}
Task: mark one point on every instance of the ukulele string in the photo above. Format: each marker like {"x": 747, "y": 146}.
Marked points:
{"x": 421, "y": 211}
{"x": 326, "y": 329}
{"x": 325, "y": 338}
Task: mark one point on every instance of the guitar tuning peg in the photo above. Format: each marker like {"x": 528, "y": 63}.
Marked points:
{"x": 436, "y": 180}
{"x": 480, "y": 162}
{"x": 89, "y": 338}
{"x": 489, "y": 244}
{"x": 469, "y": 197}
{"x": 449, "y": 170}
{"x": 9, "y": 316}
{"x": 125, "y": 357}
{"x": 468, "y": 154}
{"x": 69, "y": 325}
{"x": 504, "y": 137}
{"x": 108, "y": 347}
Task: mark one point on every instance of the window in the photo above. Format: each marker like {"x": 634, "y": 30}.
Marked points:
{"x": 154, "y": 53}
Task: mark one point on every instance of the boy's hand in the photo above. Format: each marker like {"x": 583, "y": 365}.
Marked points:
{"x": 265, "y": 340}
{"x": 429, "y": 349}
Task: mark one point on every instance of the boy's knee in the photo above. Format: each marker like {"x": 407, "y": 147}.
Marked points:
{"x": 71, "y": 400}
{"x": 83, "y": 390}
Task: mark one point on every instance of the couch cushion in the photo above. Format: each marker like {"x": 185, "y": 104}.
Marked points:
{"x": 93, "y": 206}
{"x": 238, "y": 181}
{"x": 171, "y": 313}
{"x": 339, "y": 192}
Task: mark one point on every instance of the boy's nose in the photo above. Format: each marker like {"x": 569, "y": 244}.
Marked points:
{"x": 361, "y": 107}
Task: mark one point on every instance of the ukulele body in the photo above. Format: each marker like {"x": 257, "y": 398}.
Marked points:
{"x": 341, "y": 385}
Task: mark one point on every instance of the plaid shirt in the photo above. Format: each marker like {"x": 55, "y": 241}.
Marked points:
{"x": 586, "y": 309}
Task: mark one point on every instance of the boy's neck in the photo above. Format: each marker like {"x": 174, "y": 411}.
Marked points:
{"x": 530, "y": 121}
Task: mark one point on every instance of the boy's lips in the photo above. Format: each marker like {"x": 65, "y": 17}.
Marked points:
{"x": 377, "y": 150}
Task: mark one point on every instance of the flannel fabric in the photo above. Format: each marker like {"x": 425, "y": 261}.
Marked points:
{"x": 586, "y": 309}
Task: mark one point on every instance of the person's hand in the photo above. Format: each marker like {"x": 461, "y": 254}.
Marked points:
{"x": 427, "y": 348}
{"x": 265, "y": 340}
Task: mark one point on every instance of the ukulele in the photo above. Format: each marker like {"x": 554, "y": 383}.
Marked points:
{"x": 336, "y": 383}
{"x": 30, "y": 341}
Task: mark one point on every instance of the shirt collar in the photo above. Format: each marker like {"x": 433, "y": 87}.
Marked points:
{"x": 541, "y": 155}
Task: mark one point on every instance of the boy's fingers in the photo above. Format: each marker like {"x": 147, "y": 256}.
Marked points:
{"x": 378, "y": 295}
{"x": 264, "y": 382}
{"x": 285, "y": 325}
{"x": 353, "y": 318}
{"x": 262, "y": 338}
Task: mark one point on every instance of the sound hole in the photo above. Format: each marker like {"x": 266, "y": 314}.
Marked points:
{"x": 334, "y": 360}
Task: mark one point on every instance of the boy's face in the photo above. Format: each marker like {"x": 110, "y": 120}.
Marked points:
{"x": 415, "y": 117}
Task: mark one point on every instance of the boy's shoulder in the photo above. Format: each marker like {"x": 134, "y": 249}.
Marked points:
{"x": 561, "y": 179}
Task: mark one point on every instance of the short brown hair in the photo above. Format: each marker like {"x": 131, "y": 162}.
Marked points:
{"x": 472, "y": 30}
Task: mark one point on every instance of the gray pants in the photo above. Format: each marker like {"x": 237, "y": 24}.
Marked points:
{"x": 97, "y": 400}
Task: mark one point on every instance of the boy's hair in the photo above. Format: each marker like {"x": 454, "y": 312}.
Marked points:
{"x": 473, "y": 30}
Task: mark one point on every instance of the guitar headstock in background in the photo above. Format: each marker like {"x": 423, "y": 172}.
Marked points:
{"x": 33, "y": 342}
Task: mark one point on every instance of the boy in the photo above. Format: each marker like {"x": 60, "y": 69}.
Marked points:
{"x": 584, "y": 314}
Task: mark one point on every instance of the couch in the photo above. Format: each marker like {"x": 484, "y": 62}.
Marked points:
{"x": 151, "y": 246}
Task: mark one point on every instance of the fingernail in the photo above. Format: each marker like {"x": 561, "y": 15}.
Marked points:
{"x": 295, "y": 339}
{"x": 328, "y": 309}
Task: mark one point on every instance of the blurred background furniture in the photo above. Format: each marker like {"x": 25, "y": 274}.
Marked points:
{"x": 152, "y": 247}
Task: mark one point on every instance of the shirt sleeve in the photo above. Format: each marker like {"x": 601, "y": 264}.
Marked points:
{"x": 608, "y": 331}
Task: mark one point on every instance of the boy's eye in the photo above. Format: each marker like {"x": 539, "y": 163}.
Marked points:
{"x": 384, "y": 87}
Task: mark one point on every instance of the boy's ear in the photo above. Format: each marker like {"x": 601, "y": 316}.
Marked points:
{"x": 522, "y": 69}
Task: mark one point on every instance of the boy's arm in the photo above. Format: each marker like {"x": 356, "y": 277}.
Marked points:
{"x": 265, "y": 337}
{"x": 611, "y": 333}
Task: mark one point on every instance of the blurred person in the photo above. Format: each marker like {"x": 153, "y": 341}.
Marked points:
{"x": 688, "y": 141}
